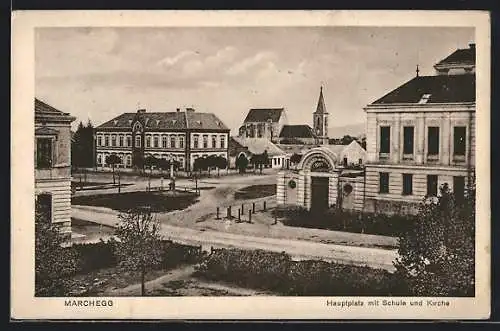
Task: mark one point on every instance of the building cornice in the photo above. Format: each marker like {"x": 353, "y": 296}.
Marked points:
{"x": 412, "y": 107}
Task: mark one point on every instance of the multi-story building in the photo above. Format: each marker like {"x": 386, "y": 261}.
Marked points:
{"x": 181, "y": 135}
{"x": 53, "y": 164}
{"x": 422, "y": 135}
{"x": 263, "y": 123}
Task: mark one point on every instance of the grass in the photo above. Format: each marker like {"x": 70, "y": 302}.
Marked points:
{"x": 158, "y": 201}
{"x": 255, "y": 191}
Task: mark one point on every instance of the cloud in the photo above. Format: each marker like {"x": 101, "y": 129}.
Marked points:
{"x": 210, "y": 64}
{"x": 170, "y": 61}
{"x": 249, "y": 63}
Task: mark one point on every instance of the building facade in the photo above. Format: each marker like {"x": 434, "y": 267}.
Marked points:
{"x": 53, "y": 164}
{"x": 181, "y": 135}
{"x": 263, "y": 123}
{"x": 422, "y": 135}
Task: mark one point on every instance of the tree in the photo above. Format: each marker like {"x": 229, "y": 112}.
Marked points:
{"x": 53, "y": 262}
{"x": 138, "y": 159}
{"x": 259, "y": 160}
{"x": 200, "y": 164}
{"x": 295, "y": 158}
{"x": 220, "y": 163}
{"x": 138, "y": 247}
{"x": 437, "y": 251}
{"x": 113, "y": 160}
{"x": 82, "y": 146}
{"x": 241, "y": 163}
{"x": 149, "y": 162}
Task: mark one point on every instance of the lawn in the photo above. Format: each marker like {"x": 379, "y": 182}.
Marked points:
{"x": 255, "y": 192}
{"x": 158, "y": 201}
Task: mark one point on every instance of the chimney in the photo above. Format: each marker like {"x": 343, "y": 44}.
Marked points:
{"x": 178, "y": 109}
{"x": 190, "y": 110}
{"x": 472, "y": 46}
{"x": 141, "y": 111}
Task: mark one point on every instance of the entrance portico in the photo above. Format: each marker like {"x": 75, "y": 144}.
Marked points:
{"x": 314, "y": 184}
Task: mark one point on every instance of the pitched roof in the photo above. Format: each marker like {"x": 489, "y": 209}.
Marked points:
{"x": 297, "y": 131}
{"x": 440, "y": 89}
{"x": 168, "y": 120}
{"x": 321, "y": 108}
{"x": 264, "y": 115}
{"x": 259, "y": 145}
{"x": 462, "y": 56}
{"x": 235, "y": 147}
{"x": 45, "y": 110}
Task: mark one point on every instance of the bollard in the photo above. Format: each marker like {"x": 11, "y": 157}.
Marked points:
{"x": 229, "y": 212}
{"x": 217, "y": 217}
{"x": 249, "y": 216}
{"x": 253, "y": 207}
{"x": 239, "y": 216}
{"x": 242, "y": 209}
{"x": 264, "y": 206}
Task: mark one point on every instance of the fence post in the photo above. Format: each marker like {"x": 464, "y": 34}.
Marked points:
{"x": 217, "y": 217}
{"x": 229, "y": 212}
{"x": 249, "y": 216}
{"x": 253, "y": 207}
{"x": 242, "y": 209}
{"x": 264, "y": 206}
{"x": 239, "y": 215}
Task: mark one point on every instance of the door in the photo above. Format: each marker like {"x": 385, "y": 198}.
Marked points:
{"x": 319, "y": 194}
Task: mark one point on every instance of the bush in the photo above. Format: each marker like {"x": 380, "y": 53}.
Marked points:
{"x": 278, "y": 273}
{"x": 342, "y": 220}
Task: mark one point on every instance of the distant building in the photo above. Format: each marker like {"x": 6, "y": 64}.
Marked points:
{"x": 320, "y": 120}
{"x": 181, "y": 135}
{"x": 53, "y": 164}
{"x": 263, "y": 123}
{"x": 254, "y": 146}
{"x": 349, "y": 155}
{"x": 298, "y": 134}
{"x": 422, "y": 135}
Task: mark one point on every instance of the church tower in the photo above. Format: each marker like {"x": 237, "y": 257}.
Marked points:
{"x": 320, "y": 120}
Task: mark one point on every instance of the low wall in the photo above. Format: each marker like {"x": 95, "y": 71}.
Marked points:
{"x": 389, "y": 207}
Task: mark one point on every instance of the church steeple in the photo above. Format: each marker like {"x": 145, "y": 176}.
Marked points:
{"x": 320, "y": 120}
{"x": 321, "y": 108}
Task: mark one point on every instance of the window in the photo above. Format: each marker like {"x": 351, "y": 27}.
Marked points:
{"x": 106, "y": 140}
{"x": 181, "y": 142}
{"x": 172, "y": 141}
{"x": 99, "y": 159}
{"x": 148, "y": 141}
{"x": 459, "y": 135}
{"x": 360, "y": 161}
{"x": 43, "y": 153}
{"x": 113, "y": 140}
{"x": 384, "y": 182}
{"x": 120, "y": 141}
{"x": 164, "y": 141}
{"x": 432, "y": 185}
{"x": 385, "y": 139}
{"x": 459, "y": 188}
{"x": 99, "y": 141}
{"x": 205, "y": 141}
{"x": 222, "y": 142}
{"x": 44, "y": 206}
{"x": 407, "y": 184}
{"x": 214, "y": 141}
{"x": 425, "y": 98}
{"x": 433, "y": 140}
{"x": 129, "y": 160}
{"x": 345, "y": 162}
{"x": 129, "y": 141}
{"x": 195, "y": 141}
{"x": 137, "y": 141}
{"x": 408, "y": 140}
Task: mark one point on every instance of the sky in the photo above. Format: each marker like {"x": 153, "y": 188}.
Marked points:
{"x": 98, "y": 73}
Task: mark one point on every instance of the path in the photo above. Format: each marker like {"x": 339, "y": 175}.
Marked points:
{"x": 299, "y": 249}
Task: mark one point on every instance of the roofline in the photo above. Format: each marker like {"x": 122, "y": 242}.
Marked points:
{"x": 400, "y": 107}
{"x": 54, "y": 118}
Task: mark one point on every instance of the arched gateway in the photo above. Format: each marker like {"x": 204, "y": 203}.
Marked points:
{"x": 314, "y": 184}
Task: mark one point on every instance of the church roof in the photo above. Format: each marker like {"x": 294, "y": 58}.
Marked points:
{"x": 321, "y": 108}
{"x": 264, "y": 115}
{"x": 297, "y": 131}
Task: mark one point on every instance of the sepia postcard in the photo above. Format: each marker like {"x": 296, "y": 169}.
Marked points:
{"x": 236, "y": 165}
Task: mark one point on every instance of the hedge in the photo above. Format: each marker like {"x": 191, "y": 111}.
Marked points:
{"x": 101, "y": 255}
{"x": 341, "y": 220}
{"x": 278, "y": 273}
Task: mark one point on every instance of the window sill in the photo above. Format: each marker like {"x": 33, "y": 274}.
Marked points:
{"x": 459, "y": 158}
{"x": 407, "y": 157}
{"x": 432, "y": 157}
{"x": 384, "y": 156}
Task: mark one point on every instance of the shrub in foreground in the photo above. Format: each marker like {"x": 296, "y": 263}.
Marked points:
{"x": 278, "y": 273}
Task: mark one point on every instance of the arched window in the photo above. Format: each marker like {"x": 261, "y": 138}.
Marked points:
{"x": 137, "y": 141}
